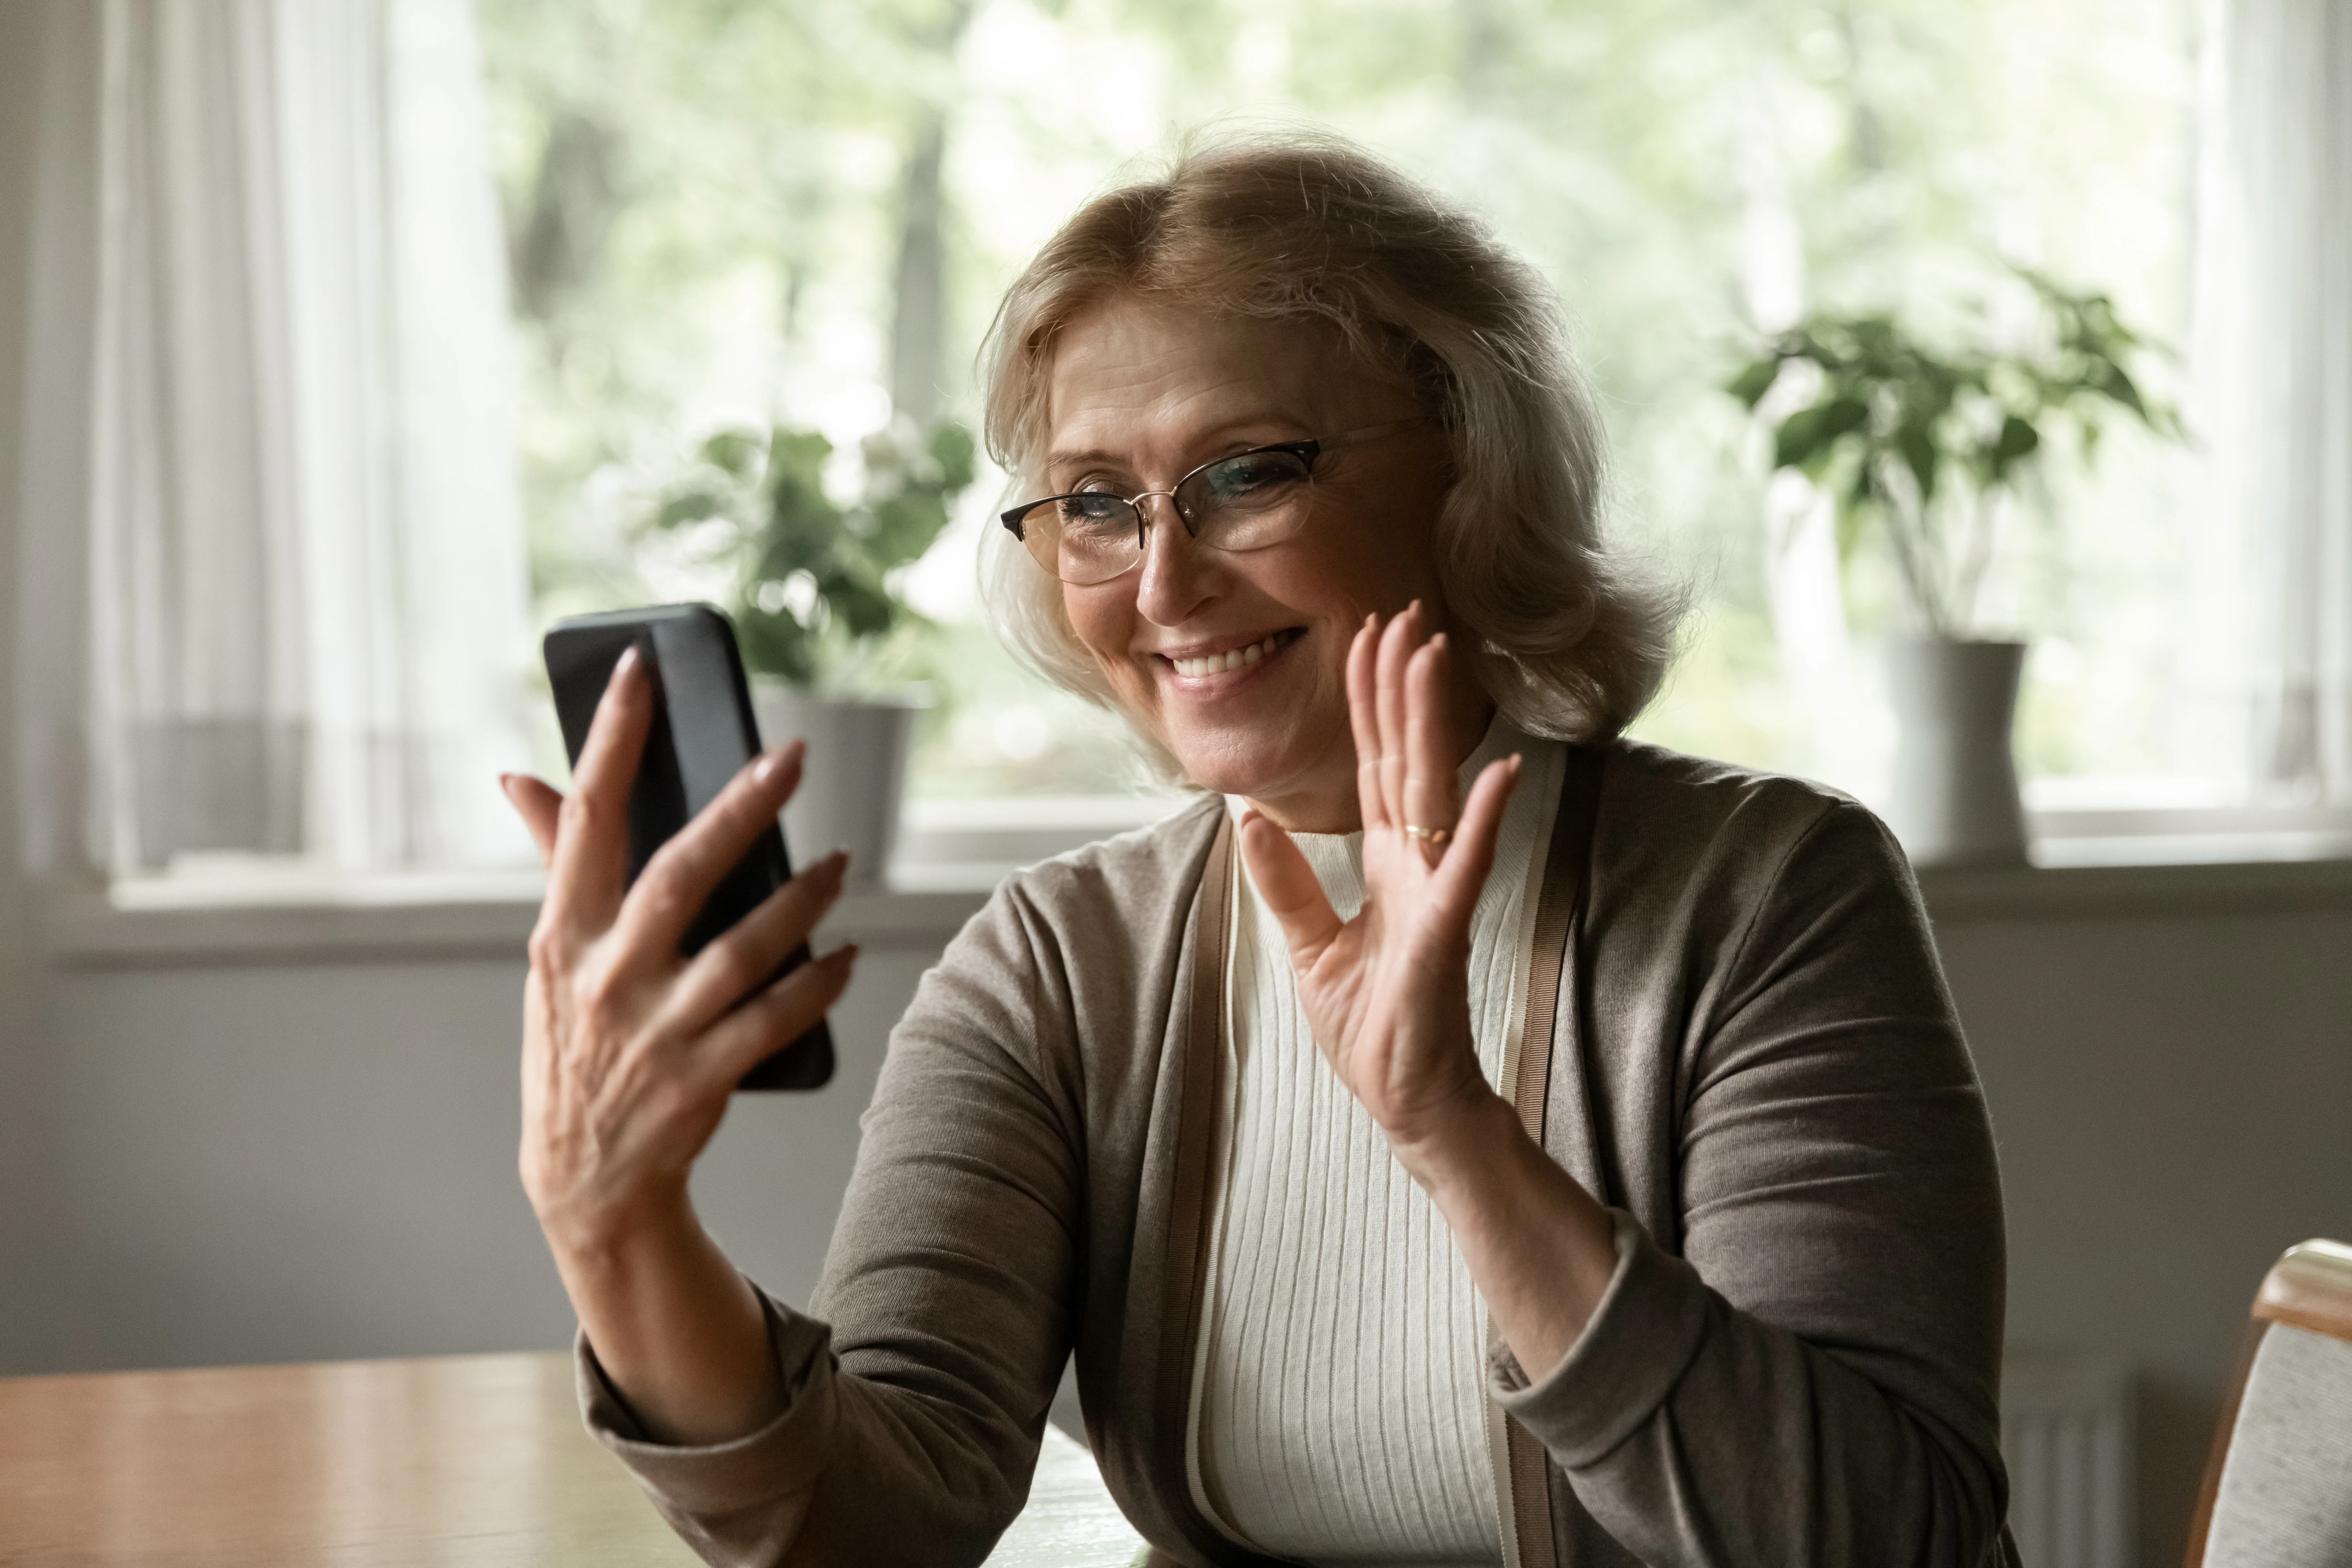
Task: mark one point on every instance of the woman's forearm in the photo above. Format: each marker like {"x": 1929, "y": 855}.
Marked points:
{"x": 680, "y": 1333}
{"x": 1540, "y": 1249}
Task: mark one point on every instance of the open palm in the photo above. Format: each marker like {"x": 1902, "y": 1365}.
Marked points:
{"x": 1387, "y": 994}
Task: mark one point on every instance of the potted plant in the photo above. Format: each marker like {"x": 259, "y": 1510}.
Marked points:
{"x": 1924, "y": 447}
{"x": 823, "y": 632}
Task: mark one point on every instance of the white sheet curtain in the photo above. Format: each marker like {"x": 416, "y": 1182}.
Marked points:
{"x": 2272, "y": 392}
{"x": 307, "y": 597}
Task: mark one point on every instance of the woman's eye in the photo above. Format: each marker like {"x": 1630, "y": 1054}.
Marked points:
{"x": 1255, "y": 473}
{"x": 1094, "y": 509}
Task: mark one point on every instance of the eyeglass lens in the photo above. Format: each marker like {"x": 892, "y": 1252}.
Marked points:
{"x": 1243, "y": 502}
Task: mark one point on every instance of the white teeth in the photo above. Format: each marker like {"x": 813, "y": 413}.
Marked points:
{"x": 1234, "y": 659}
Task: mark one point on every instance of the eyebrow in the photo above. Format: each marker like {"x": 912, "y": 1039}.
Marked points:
{"x": 1094, "y": 455}
{"x": 1079, "y": 460}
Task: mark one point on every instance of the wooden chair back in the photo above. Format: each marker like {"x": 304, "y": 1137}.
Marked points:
{"x": 2278, "y": 1487}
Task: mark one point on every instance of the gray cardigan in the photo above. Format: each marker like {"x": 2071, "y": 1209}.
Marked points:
{"x": 1754, "y": 1062}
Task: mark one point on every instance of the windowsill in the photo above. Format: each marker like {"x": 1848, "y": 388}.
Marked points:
{"x": 167, "y": 924}
{"x": 289, "y": 916}
{"x": 952, "y": 855}
{"x": 2143, "y": 888}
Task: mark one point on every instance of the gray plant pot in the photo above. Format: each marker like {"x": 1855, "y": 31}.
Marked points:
{"x": 1955, "y": 800}
{"x": 855, "y": 777}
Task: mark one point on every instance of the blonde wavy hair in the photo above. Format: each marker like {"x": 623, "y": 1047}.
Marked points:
{"x": 1570, "y": 638}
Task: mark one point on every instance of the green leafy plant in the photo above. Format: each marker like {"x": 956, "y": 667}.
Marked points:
{"x": 1922, "y": 444}
{"x": 812, "y": 585}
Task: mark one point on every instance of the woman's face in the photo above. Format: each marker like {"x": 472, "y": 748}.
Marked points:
{"x": 1139, "y": 395}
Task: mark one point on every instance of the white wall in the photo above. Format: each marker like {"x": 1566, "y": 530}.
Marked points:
{"x": 2173, "y": 1101}
{"x": 318, "y": 1162}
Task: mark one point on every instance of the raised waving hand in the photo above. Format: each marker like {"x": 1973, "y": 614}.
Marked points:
{"x": 1387, "y": 993}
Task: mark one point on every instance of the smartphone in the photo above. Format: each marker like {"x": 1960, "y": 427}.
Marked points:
{"x": 702, "y": 735}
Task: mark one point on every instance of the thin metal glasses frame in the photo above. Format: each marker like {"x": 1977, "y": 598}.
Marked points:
{"x": 1306, "y": 451}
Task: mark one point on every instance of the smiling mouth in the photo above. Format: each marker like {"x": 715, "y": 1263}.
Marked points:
{"x": 1234, "y": 659}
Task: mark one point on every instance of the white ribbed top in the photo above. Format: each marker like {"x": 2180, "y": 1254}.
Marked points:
{"x": 1339, "y": 1413}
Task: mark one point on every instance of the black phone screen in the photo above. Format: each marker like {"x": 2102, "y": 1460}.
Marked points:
{"x": 702, "y": 735}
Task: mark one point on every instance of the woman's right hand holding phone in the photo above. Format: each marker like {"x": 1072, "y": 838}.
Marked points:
{"x": 630, "y": 1052}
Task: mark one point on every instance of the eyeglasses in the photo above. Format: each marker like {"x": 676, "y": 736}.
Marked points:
{"x": 1246, "y": 502}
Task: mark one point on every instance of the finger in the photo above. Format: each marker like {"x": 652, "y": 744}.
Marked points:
{"x": 540, "y": 807}
{"x": 773, "y": 1019}
{"x": 1363, "y": 717}
{"x": 742, "y": 958}
{"x": 590, "y": 866}
{"x": 1288, "y": 884}
{"x": 1471, "y": 856}
{"x": 1397, "y": 644}
{"x": 677, "y": 881}
{"x": 1431, "y": 781}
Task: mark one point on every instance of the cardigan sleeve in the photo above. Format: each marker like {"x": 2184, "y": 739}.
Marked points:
{"x": 1808, "y": 1372}
{"x": 918, "y": 1384}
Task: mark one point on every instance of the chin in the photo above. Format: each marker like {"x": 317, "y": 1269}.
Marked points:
{"x": 1267, "y": 742}
{"x": 1223, "y": 778}
{"x": 1250, "y": 766}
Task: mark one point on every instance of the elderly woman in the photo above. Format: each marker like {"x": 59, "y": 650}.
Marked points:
{"x": 1461, "y": 1136}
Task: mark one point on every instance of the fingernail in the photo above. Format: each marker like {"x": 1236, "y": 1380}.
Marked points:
{"x": 626, "y": 664}
{"x": 841, "y": 957}
{"x": 773, "y": 763}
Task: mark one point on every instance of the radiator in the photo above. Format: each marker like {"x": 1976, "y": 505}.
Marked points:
{"x": 2066, "y": 1423}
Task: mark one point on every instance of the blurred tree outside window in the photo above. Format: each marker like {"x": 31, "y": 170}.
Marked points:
{"x": 739, "y": 213}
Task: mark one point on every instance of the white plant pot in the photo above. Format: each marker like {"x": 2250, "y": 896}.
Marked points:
{"x": 1954, "y": 801}
{"x": 855, "y": 773}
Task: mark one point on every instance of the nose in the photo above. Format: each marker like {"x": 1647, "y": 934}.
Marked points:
{"x": 1176, "y": 581}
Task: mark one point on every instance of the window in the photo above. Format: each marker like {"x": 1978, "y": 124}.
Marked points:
{"x": 277, "y": 579}
{"x": 724, "y": 213}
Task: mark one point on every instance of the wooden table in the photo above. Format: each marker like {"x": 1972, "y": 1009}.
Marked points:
{"x": 462, "y": 1462}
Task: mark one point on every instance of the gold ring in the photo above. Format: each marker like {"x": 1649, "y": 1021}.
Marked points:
{"x": 1430, "y": 835}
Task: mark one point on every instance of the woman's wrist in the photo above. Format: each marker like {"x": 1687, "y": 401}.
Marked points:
{"x": 1459, "y": 1142}
{"x": 603, "y": 1238}
{"x": 681, "y": 1335}
{"x": 1540, "y": 1249}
